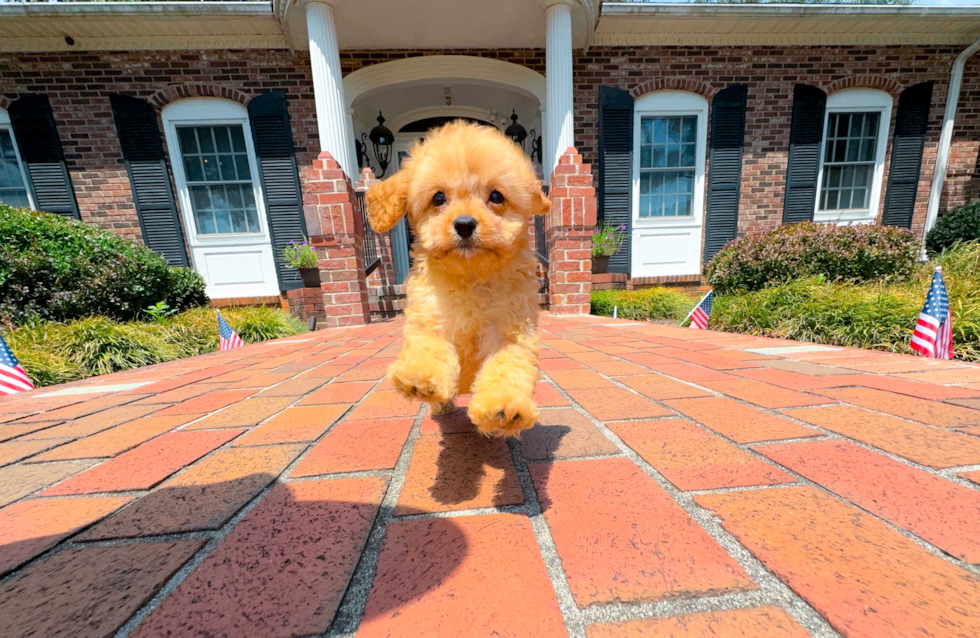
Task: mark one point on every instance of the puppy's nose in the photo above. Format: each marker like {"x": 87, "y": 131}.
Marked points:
{"x": 465, "y": 226}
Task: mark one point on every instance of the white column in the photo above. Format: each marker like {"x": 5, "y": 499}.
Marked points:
{"x": 558, "y": 70}
{"x": 328, "y": 87}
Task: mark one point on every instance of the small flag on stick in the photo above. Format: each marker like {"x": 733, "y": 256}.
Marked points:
{"x": 933, "y": 335}
{"x": 701, "y": 313}
{"x": 227, "y": 338}
{"x": 13, "y": 377}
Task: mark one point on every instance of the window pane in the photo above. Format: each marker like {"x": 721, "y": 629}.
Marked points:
{"x": 685, "y": 201}
{"x": 688, "y": 154}
{"x": 223, "y": 139}
{"x": 238, "y": 139}
{"x": 13, "y": 191}
{"x": 659, "y": 130}
{"x": 645, "y": 157}
{"x": 659, "y": 156}
{"x": 690, "y": 126}
{"x": 646, "y": 131}
{"x": 205, "y": 139}
{"x": 244, "y": 172}
{"x": 188, "y": 141}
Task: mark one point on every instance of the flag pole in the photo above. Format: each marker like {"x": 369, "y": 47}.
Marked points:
{"x": 681, "y": 324}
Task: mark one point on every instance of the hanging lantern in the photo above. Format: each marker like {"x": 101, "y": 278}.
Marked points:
{"x": 382, "y": 139}
{"x": 515, "y": 131}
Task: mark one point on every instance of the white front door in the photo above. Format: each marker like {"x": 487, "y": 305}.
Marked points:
{"x": 220, "y": 197}
{"x": 670, "y": 128}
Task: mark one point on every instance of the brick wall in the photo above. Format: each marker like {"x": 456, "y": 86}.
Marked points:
{"x": 78, "y": 85}
{"x": 771, "y": 73}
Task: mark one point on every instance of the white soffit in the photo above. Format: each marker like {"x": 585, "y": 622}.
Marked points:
{"x": 630, "y": 24}
{"x": 128, "y": 26}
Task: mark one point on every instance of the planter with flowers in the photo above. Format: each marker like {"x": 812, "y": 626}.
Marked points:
{"x": 606, "y": 241}
{"x": 301, "y": 256}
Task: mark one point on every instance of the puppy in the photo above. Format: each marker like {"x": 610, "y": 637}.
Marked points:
{"x": 471, "y": 314}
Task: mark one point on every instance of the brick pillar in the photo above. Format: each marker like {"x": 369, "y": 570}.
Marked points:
{"x": 568, "y": 228}
{"x": 336, "y": 227}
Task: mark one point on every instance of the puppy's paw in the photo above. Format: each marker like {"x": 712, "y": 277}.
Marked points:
{"x": 419, "y": 382}
{"x": 442, "y": 409}
{"x": 502, "y": 412}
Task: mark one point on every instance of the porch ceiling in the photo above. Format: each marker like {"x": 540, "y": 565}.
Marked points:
{"x": 623, "y": 23}
{"x": 103, "y": 26}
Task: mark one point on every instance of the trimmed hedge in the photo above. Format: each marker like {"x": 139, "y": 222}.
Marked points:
{"x": 794, "y": 251}
{"x": 60, "y": 352}
{"x": 877, "y": 316}
{"x": 58, "y": 269}
{"x": 647, "y": 304}
{"x": 960, "y": 224}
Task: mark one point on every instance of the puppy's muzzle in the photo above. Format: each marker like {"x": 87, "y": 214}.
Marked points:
{"x": 465, "y": 226}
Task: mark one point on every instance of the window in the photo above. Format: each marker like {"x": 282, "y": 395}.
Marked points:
{"x": 215, "y": 170}
{"x": 670, "y": 133}
{"x": 853, "y": 155}
{"x": 668, "y": 151}
{"x": 218, "y": 178}
{"x": 13, "y": 181}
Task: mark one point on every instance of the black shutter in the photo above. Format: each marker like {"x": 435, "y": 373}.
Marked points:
{"x": 616, "y": 167}
{"x": 280, "y": 179}
{"x": 142, "y": 149}
{"x": 725, "y": 167}
{"x": 805, "y": 141}
{"x": 910, "y": 139}
{"x": 40, "y": 150}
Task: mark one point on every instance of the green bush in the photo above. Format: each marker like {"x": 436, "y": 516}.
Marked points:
{"x": 960, "y": 224}
{"x": 878, "y": 316}
{"x": 794, "y": 251}
{"x": 59, "y": 269}
{"x": 648, "y": 304}
{"x": 54, "y": 352}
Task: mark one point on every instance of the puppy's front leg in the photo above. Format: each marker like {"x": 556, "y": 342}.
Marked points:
{"x": 427, "y": 368}
{"x": 502, "y": 403}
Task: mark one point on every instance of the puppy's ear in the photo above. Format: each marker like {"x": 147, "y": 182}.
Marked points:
{"x": 540, "y": 204}
{"x": 387, "y": 201}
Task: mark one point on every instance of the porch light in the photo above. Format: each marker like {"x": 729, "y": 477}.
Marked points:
{"x": 382, "y": 140}
{"x": 515, "y": 131}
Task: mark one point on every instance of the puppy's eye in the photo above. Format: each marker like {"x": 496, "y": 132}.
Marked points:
{"x": 438, "y": 200}
{"x": 496, "y": 198}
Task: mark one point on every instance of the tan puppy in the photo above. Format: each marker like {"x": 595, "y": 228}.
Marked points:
{"x": 471, "y": 316}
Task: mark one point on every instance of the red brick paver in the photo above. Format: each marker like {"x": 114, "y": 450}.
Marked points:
{"x": 676, "y": 484}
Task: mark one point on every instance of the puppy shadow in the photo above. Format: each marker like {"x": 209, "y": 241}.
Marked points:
{"x": 466, "y": 457}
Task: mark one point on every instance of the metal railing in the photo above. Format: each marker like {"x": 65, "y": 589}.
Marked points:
{"x": 372, "y": 241}
{"x": 540, "y": 241}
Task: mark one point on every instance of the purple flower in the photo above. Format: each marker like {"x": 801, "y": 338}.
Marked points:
{"x": 623, "y": 227}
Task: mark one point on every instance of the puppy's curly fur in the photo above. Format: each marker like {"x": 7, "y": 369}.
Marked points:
{"x": 471, "y": 314}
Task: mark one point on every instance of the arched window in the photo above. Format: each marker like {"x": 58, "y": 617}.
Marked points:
{"x": 852, "y": 159}
{"x": 670, "y": 135}
{"x": 13, "y": 179}
{"x": 214, "y": 165}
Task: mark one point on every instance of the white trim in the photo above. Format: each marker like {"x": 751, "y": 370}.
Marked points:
{"x": 670, "y": 103}
{"x": 862, "y": 100}
{"x": 444, "y": 67}
{"x": 215, "y": 111}
{"x": 6, "y": 126}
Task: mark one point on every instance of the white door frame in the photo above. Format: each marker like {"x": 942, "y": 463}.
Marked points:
{"x": 233, "y": 265}
{"x": 668, "y": 246}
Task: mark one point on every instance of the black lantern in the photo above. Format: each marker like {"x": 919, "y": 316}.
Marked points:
{"x": 382, "y": 140}
{"x": 515, "y": 131}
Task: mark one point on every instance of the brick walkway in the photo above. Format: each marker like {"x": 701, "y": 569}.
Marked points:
{"x": 679, "y": 484}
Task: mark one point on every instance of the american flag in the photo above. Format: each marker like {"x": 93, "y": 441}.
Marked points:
{"x": 13, "y": 377}
{"x": 702, "y": 312}
{"x": 227, "y": 338}
{"x": 933, "y": 335}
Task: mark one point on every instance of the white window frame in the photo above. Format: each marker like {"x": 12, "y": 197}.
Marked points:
{"x": 208, "y": 111}
{"x": 671, "y": 103}
{"x": 5, "y": 125}
{"x": 857, "y": 100}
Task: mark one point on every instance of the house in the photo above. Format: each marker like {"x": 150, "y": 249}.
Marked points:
{"x": 217, "y": 132}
